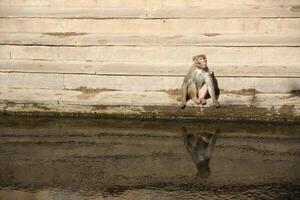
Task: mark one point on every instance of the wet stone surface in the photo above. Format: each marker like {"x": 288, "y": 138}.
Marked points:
{"x": 70, "y": 159}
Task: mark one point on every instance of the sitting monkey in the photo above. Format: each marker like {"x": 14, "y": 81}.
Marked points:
{"x": 197, "y": 82}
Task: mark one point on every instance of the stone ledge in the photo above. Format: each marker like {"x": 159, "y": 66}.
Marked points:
{"x": 153, "y": 105}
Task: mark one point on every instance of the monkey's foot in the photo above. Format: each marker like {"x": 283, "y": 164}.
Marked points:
{"x": 182, "y": 105}
{"x": 216, "y": 104}
{"x": 203, "y": 101}
{"x": 197, "y": 101}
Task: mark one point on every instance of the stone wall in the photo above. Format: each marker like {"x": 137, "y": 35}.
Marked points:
{"x": 118, "y": 57}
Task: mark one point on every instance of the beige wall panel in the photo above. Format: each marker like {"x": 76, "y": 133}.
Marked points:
{"x": 280, "y": 85}
{"x": 77, "y": 39}
{"x": 48, "y": 12}
{"x": 4, "y": 52}
{"x": 141, "y": 26}
{"x": 24, "y": 3}
{"x": 153, "y": 55}
{"x": 25, "y": 95}
{"x": 153, "y": 83}
{"x": 198, "y": 12}
{"x": 123, "y": 12}
{"x": 162, "y": 69}
{"x": 265, "y": 85}
{"x": 127, "y": 83}
{"x": 30, "y": 81}
{"x": 205, "y": 4}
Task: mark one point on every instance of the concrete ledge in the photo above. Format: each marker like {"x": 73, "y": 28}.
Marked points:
{"x": 156, "y": 105}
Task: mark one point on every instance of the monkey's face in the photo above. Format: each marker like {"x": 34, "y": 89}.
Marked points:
{"x": 201, "y": 61}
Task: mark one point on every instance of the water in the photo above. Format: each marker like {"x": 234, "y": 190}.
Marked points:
{"x": 70, "y": 159}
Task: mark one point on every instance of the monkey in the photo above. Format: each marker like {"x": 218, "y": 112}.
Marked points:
{"x": 197, "y": 82}
{"x": 200, "y": 146}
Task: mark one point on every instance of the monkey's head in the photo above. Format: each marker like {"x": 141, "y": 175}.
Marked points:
{"x": 200, "y": 61}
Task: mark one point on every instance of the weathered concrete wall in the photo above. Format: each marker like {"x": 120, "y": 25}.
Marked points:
{"x": 128, "y": 57}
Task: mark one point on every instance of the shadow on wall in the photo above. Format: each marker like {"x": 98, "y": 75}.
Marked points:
{"x": 295, "y": 89}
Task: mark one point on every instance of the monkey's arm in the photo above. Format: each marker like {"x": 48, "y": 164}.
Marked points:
{"x": 189, "y": 74}
{"x": 184, "y": 89}
{"x": 187, "y": 80}
{"x": 211, "y": 143}
{"x": 187, "y": 143}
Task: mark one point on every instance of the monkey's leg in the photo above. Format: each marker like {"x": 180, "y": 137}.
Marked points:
{"x": 192, "y": 93}
{"x": 202, "y": 93}
{"x": 184, "y": 94}
{"x": 211, "y": 90}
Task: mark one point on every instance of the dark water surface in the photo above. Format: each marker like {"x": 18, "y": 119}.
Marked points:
{"x": 72, "y": 159}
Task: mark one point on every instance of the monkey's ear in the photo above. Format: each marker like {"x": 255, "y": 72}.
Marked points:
{"x": 194, "y": 58}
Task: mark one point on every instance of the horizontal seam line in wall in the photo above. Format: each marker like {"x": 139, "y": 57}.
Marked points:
{"x": 217, "y": 34}
{"x": 147, "y": 18}
{"x": 148, "y": 45}
{"x": 155, "y": 75}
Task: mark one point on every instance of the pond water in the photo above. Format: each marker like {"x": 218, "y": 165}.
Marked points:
{"x": 94, "y": 159}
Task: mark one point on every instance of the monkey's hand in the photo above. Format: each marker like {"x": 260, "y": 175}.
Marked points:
{"x": 182, "y": 105}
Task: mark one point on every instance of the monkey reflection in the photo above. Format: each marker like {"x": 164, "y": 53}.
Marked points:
{"x": 200, "y": 147}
